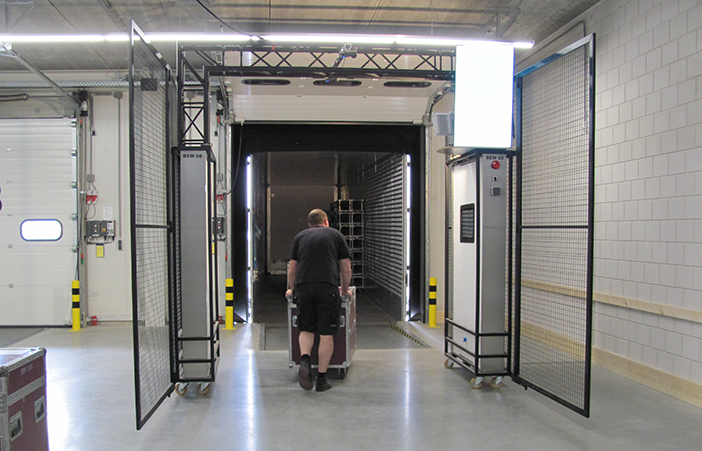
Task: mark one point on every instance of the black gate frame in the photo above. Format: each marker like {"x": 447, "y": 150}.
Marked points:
{"x": 144, "y": 412}
{"x": 515, "y": 286}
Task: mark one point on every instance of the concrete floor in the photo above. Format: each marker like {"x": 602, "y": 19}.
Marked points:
{"x": 397, "y": 399}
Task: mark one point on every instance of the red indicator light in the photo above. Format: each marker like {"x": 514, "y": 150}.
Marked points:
{"x": 495, "y": 165}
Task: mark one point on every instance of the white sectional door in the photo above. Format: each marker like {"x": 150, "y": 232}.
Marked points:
{"x": 37, "y": 229}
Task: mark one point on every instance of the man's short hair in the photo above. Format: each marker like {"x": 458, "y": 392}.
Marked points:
{"x": 316, "y": 217}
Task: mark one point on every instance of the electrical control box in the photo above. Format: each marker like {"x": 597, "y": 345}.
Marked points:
{"x": 220, "y": 227}
{"x": 102, "y": 229}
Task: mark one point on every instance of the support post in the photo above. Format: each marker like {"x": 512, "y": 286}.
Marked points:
{"x": 229, "y": 305}
{"x": 75, "y": 289}
{"x": 432, "y": 302}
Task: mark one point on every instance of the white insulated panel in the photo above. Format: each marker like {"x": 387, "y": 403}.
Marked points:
{"x": 329, "y": 108}
{"x": 303, "y": 101}
{"x": 36, "y": 173}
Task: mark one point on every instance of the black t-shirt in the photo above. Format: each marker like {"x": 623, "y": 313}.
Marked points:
{"x": 318, "y": 251}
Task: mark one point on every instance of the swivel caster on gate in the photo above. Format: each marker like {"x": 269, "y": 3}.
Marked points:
{"x": 203, "y": 388}
{"x": 476, "y": 383}
{"x": 496, "y": 382}
{"x": 181, "y": 388}
{"x": 448, "y": 364}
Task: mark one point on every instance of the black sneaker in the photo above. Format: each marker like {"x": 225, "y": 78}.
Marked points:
{"x": 305, "y": 375}
{"x": 323, "y": 384}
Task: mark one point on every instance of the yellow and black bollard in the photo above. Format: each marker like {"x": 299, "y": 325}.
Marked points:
{"x": 75, "y": 288}
{"x": 229, "y": 305}
{"x": 432, "y": 302}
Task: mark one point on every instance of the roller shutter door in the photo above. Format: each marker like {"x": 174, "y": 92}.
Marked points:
{"x": 37, "y": 169}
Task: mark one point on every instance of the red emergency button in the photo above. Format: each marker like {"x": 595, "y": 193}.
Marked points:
{"x": 495, "y": 164}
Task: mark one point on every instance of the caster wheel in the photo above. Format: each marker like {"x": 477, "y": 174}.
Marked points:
{"x": 181, "y": 389}
{"x": 203, "y": 389}
{"x": 448, "y": 364}
{"x": 476, "y": 383}
{"x": 496, "y": 383}
{"x": 342, "y": 373}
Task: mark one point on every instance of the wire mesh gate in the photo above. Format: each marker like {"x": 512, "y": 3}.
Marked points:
{"x": 554, "y": 226}
{"x": 151, "y": 95}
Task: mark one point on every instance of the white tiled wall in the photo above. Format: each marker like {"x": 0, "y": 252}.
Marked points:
{"x": 648, "y": 212}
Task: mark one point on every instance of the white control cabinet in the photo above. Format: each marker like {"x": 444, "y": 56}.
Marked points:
{"x": 476, "y": 322}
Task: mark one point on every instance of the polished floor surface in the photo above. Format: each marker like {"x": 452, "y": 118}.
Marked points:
{"x": 391, "y": 399}
{"x": 11, "y": 335}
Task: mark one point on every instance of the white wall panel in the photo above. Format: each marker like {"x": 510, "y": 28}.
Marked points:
{"x": 36, "y": 172}
{"x": 315, "y": 108}
{"x": 109, "y": 294}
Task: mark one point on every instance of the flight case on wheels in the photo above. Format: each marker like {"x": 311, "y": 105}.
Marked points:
{"x": 344, "y": 340}
{"x": 23, "y": 399}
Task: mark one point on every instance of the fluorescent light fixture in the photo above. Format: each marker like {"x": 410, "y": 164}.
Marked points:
{"x": 419, "y": 40}
{"x": 332, "y": 38}
{"x": 155, "y": 37}
{"x": 219, "y": 37}
{"x": 379, "y": 39}
{"x": 197, "y": 37}
{"x": 53, "y": 38}
{"x": 117, "y": 38}
{"x": 483, "y": 99}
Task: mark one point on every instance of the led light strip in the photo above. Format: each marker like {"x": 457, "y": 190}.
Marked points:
{"x": 302, "y": 38}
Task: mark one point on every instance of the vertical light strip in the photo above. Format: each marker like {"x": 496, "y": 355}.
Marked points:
{"x": 408, "y": 192}
{"x": 249, "y": 235}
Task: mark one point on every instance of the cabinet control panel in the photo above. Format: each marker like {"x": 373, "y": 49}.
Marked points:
{"x": 102, "y": 229}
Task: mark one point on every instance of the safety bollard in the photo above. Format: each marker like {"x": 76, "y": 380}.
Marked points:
{"x": 229, "y": 305}
{"x": 75, "y": 289}
{"x": 432, "y": 302}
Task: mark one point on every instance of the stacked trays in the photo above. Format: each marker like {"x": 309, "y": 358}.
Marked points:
{"x": 347, "y": 217}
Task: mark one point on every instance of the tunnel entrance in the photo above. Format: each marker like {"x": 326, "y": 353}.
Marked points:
{"x": 289, "y": 169}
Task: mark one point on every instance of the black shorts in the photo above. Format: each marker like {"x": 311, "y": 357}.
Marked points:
{"x": 318, "y": 307}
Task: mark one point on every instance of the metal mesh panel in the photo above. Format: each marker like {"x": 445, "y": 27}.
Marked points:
{"x": 555, "y": 143}
{"x": 150, "y": 233}
{"x": 554, "y": 311}
{"x": 554, "y": 301}
{"x": 154, "y": 357}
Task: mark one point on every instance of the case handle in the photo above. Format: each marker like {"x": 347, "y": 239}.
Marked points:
{"x": 16, "y": 426}
{"x": 39, "y": 409}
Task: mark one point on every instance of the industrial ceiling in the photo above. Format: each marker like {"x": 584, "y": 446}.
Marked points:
{"x": 510, "y": 20}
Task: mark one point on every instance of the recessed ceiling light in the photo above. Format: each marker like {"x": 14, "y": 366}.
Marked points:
{"x": 337, "y": 83}
{"x": 407, "y": 84}
{"x": 265, "y": 82}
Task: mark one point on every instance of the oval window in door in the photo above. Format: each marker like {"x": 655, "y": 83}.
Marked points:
{"x": 41, "y": 230}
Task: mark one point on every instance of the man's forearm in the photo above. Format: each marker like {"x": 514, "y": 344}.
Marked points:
{"x": 292, "y": 272}
{"x": 345, "y": 267}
